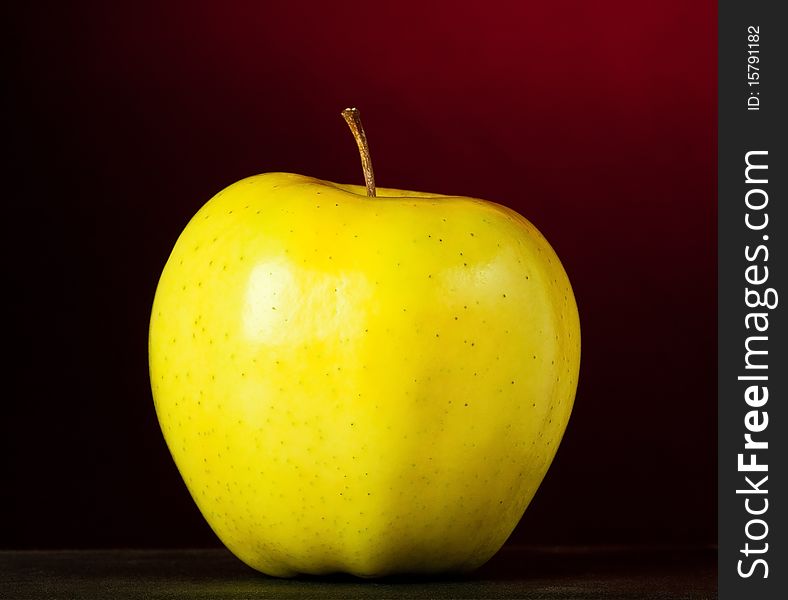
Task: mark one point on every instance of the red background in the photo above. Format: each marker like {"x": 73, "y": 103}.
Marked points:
{"x": 596, "y": 120}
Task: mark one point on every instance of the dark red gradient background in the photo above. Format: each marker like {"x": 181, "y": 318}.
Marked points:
{"x": 596, "y": 120}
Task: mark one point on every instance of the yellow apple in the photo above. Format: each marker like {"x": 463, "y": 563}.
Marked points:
{"x": 370, "y": 385}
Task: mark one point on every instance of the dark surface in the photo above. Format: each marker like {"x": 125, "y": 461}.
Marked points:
{"x": 516, "y": 572}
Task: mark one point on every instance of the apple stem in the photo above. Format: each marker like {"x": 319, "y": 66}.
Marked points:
{"x": 353, "y": 118}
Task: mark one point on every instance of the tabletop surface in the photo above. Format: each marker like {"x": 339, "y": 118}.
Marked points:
{"x": 515, "y": 572}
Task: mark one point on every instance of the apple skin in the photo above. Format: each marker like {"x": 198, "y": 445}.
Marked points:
{"x": 373, "y": 386}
